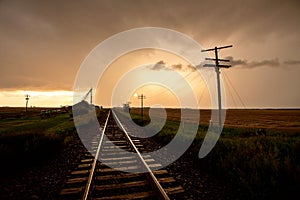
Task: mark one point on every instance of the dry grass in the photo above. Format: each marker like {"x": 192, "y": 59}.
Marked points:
{"x": 29, "y": 140}
{"x": 273, "y": 119}
{"x": 263, "y": 166}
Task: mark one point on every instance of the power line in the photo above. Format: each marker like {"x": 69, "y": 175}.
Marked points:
{"x": 182, "y": 87}
{"x": 239, "y": 97}
{"x": 202, "y": 94}
{"x": 180, "y": 79}
{"x": 178, "y": 88}
{"x": 229, "y": 91}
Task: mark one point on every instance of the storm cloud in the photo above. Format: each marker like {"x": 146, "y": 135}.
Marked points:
{"x": 44, "y": 42}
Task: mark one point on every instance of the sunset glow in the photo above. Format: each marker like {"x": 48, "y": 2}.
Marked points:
{"x": 41, "y": 56}
{"x": 36, "y": 98}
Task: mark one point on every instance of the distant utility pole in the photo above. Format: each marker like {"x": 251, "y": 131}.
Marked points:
{"x": 217, "y": 67}
{"x": 27, "y": 98}
{"x": 142, "y": 97}
{"x": 91, "y": 96}
{"x": 90, "y": 92}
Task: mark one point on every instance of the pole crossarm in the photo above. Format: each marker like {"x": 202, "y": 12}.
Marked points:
{"x": 223, "y": 60}
{"x": 141, "y": 96}
{"x": 213, "y": 65}
{"x": 212, "y": 49}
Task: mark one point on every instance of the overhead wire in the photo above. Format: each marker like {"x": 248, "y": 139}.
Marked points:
{"x": 165, "y": 91}
{"x": 237, "y": 94}
{"x": 196, "y": 77}
{"x": 230, "y": 92}
{"x": 203, "y": 91}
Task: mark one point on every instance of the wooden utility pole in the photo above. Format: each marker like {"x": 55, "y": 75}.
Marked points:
{"x": 217, "y": 67}
{"x": 91, "y": 96}
{"x": 90, "y": 92}
{"x": 27, "y": 99}
{"x": 142, "y": 97}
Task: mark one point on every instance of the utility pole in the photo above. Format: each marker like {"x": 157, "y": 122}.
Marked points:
{"x": 90, "y": 92}
{"x": 91, "y": 96}
{"x": 27, "y": 98}
{"x": 142, "y": 97}
{"x": 217, "y": 67}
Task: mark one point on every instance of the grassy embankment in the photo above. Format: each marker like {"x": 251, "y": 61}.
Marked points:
{"x": 29, "y": 140}
{"x": 264, "y": 166}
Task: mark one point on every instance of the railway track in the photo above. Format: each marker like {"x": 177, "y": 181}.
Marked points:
{"x": 116, "y": 175}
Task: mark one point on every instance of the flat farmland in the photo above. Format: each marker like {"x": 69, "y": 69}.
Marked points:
{"x": 254, "y": 166}
{"x": 259, "y": 164}
{"x": 273, "y": 119}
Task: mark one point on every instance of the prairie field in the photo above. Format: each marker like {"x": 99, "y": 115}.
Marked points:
{"x": 27, "y": 138}
{"x": 262, "y": 166}
{"x": 274, "y": 119}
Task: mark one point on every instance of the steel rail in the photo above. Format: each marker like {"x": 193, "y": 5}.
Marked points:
{"x": 89, "y": 181}
{"x": 155, "y": 183}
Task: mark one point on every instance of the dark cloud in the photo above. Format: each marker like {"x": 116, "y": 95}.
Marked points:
{"x": 246, "y": 64}
{"x": 264, "y": 63}
{"x": 161, "y": 65}
{"x": 292, "y": 62}
{"x": 235, "y": 62}
{"x": 182, "y": 67}
{"x": 177, "y": 67}
{"x": 191, "y": 67}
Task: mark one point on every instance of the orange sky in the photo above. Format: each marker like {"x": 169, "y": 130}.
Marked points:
{"x": 43, "y": 44}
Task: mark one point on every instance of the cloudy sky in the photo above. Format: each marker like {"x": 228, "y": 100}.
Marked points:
{"x": 43, "y": 43}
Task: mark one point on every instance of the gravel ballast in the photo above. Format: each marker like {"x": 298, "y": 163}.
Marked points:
{"x": 45, "y": 181}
